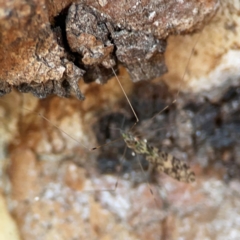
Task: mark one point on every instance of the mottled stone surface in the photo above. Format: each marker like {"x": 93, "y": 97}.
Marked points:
{"x": 50, "y": 181}
{"x": 31, "y": 58}
{"x": 46, "y": 47}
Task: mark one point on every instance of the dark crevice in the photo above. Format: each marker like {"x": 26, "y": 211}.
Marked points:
{"x": 218, "y": 121}
{"x": 60, "y": 22}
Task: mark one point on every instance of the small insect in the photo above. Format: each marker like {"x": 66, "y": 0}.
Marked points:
{"x": 162, "y": 161}
{"x": 130, "y": 204}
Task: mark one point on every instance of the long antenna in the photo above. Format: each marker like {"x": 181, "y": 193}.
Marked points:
{"x": 182, "y": 79}
{"x": 137, "y": 120}
{"x": 53, "y": 124}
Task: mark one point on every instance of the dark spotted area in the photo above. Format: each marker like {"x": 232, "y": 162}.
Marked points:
{"x": 198, "y": 130}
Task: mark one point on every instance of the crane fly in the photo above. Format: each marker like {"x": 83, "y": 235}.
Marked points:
{"x": 161, "y": 161}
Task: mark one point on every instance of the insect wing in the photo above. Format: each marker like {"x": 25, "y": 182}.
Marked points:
{"x": 172, "y": 166}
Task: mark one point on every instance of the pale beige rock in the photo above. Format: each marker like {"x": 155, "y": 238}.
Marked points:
{"x": 215, "y": 59}
{"x": 9, "y": 229}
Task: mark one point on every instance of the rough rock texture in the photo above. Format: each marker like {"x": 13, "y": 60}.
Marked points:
{"x": 159, "y": 18}
{"x": 31, "y": 58}
{"x": 48, "y": 52}
{"x": 50, "y": 181}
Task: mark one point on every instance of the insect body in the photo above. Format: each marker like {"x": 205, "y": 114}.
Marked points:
{"x": 161, "y": 161}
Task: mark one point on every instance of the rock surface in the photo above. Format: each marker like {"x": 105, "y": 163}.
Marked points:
{"x": 50, "y": 181}
{"x": 48, "y": 49}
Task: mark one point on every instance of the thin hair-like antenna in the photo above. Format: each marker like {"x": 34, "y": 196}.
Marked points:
{"x": 121, "y": 167}
{"x": 123, "y": 123}
{"x": 118, "y": 176}
{"x": 64, "y": 132}
{"x": 183, "y": 76}
{"x": 137, "y": 120}
{"x": 61, "y": 130}
{"x": 53, "y": 124}
{"x": 99, "y": 146}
